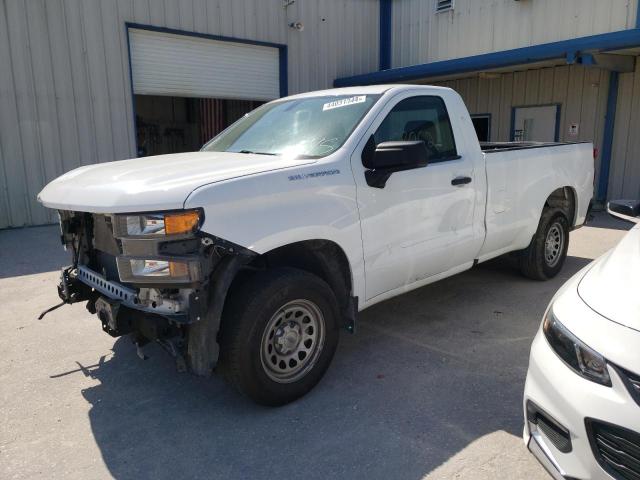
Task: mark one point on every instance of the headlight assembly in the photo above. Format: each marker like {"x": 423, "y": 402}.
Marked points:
{"x": 146, "y": 239}
{"x": 579, "y": 357}
{"x": 173, "y": 270}
{"x": 157, "y": 224}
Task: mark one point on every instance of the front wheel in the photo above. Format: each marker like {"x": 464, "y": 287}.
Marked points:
{"x": 544, "y": 257}
{"x": 279, "y": 334}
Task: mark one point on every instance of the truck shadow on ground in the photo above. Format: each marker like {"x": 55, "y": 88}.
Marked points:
{"x": 426, "y": 374}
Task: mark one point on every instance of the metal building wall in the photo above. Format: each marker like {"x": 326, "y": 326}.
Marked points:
{"x": 581, "y": 92}
{"x": 480, "y": 26}
{"x": 624, "y": 176}
{"x": 65, "y": 97}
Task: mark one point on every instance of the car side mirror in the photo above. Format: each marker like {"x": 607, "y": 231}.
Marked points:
{"x": 627, "y": 210}
{"x": 386, "y": 158}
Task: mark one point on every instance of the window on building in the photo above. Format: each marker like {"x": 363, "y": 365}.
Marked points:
{"x": 536, "y": 124}
{"x": 444, "y": 5}
{"x": 420, "y": 118}
{"x": 482, "y": 124}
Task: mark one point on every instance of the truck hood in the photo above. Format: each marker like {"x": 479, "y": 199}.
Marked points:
{"x": 610, "y": 287}
{"x": 152, "y": 183}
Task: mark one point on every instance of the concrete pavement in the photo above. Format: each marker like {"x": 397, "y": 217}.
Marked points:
{"x": 429, "y": 387}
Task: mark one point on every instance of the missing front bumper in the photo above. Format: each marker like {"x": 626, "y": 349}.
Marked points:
{"x": 118, "y": 320}
{"x": 83, "y": 284}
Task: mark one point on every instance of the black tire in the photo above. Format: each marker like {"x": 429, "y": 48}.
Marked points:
{"x": 534, "y": 261}
{"x": 259, "y": 304}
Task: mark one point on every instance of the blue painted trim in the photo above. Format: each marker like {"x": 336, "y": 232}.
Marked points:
{"x": 537, "y": 53}
{"x": 133, "y": 97}
{"x": 208, "y": 36}
{"x": 587, "y": 59}
{"x": 284, "y": 71}
{"x": 556, "y": 135}
{"x": 385, "y": 34}
{"x": 512, "y": 125}
{"x": 558, "y": 120}
{"x": 282, "y": 48}
{"x": 607, "y": 141}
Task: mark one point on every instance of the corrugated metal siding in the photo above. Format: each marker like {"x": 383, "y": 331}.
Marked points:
{"x": 480, "y": 26}
{"x": 624, "y": 177}
{"x": 65, "y": 97}
{"x": 581, "y": 93}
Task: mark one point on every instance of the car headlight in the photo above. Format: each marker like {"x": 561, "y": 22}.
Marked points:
{"x": 173, "y": 270}
{"x": 579, "y": 357}
{"x": 141, "y": 235}
{"x": 157, "y": 224}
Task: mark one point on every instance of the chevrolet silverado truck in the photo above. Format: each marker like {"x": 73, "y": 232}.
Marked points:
{"x": 250, "y": 255}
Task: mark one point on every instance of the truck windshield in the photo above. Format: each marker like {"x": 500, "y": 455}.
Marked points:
{"x": 310, "y": 127}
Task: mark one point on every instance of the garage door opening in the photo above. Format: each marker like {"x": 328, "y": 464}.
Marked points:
{"x": 187, "y": 87}
{"x": 179, "y": 124}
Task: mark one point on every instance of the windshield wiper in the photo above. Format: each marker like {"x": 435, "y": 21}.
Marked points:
{"x": 256, "y": 153}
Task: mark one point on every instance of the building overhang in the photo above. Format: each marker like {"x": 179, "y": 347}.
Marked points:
{"x": 595, "y": 50}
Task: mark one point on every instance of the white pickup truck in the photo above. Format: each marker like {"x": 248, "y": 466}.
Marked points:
{"x": 249, "y": 255}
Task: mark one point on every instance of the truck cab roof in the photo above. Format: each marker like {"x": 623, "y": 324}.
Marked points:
{"x": 366, "y": 90}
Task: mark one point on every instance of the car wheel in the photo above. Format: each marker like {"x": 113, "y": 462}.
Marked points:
{"x": 545, "y": 256}
{"x": 279, "y": 334}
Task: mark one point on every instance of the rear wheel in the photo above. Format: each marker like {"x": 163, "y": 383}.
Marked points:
{"x": 545, "y": 256}
{"x": 279, "y": 334}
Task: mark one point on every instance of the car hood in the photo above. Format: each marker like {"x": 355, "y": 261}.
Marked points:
{"x": 152, "y": 183}
{"x": 610, "y": 286}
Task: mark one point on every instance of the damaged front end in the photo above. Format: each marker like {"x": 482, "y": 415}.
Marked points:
{"x": 154, "y": 275}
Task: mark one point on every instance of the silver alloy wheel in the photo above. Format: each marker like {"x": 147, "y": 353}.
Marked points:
{"x": 292, "y": 341}
{"x": 554, "y": 244}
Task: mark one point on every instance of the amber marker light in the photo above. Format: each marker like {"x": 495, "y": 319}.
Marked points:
{"x": 183, "y": 222}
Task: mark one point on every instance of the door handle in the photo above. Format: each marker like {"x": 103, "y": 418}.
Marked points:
{"x": 460, "y": 181}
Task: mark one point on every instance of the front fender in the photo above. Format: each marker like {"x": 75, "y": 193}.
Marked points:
{"x": 269, "y": 210}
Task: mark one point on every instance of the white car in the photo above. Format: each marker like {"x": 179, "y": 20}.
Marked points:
{"x": 582, "y": 395}
{"x": 251, "y": 253}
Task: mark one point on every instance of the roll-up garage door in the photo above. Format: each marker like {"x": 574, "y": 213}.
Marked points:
{"x": 188, "y": 66}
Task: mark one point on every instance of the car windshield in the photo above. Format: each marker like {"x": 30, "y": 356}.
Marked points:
{"x": 309, "y": 127}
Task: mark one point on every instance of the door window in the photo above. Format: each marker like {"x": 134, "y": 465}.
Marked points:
{"x": 420, "y": 118}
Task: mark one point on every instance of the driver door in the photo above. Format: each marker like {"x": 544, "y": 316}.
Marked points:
{"x": 422, "y": 222}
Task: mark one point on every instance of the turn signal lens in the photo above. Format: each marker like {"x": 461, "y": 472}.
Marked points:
{"x": 178, "y": 269}
{"x": 184, "y": 222}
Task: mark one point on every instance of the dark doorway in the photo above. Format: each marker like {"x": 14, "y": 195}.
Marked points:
{"x": 178, "y": 124}
{"x": 482, "y": 124}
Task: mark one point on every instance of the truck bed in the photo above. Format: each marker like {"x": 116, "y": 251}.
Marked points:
{"x": 519, "y": 176}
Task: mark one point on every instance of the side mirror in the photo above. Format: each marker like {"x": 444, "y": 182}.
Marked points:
{"x": 389, "y": 157}
{"x": 627, "y": 210}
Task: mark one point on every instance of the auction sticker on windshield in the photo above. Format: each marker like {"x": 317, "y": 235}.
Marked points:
{"x": 344, "y": 102}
